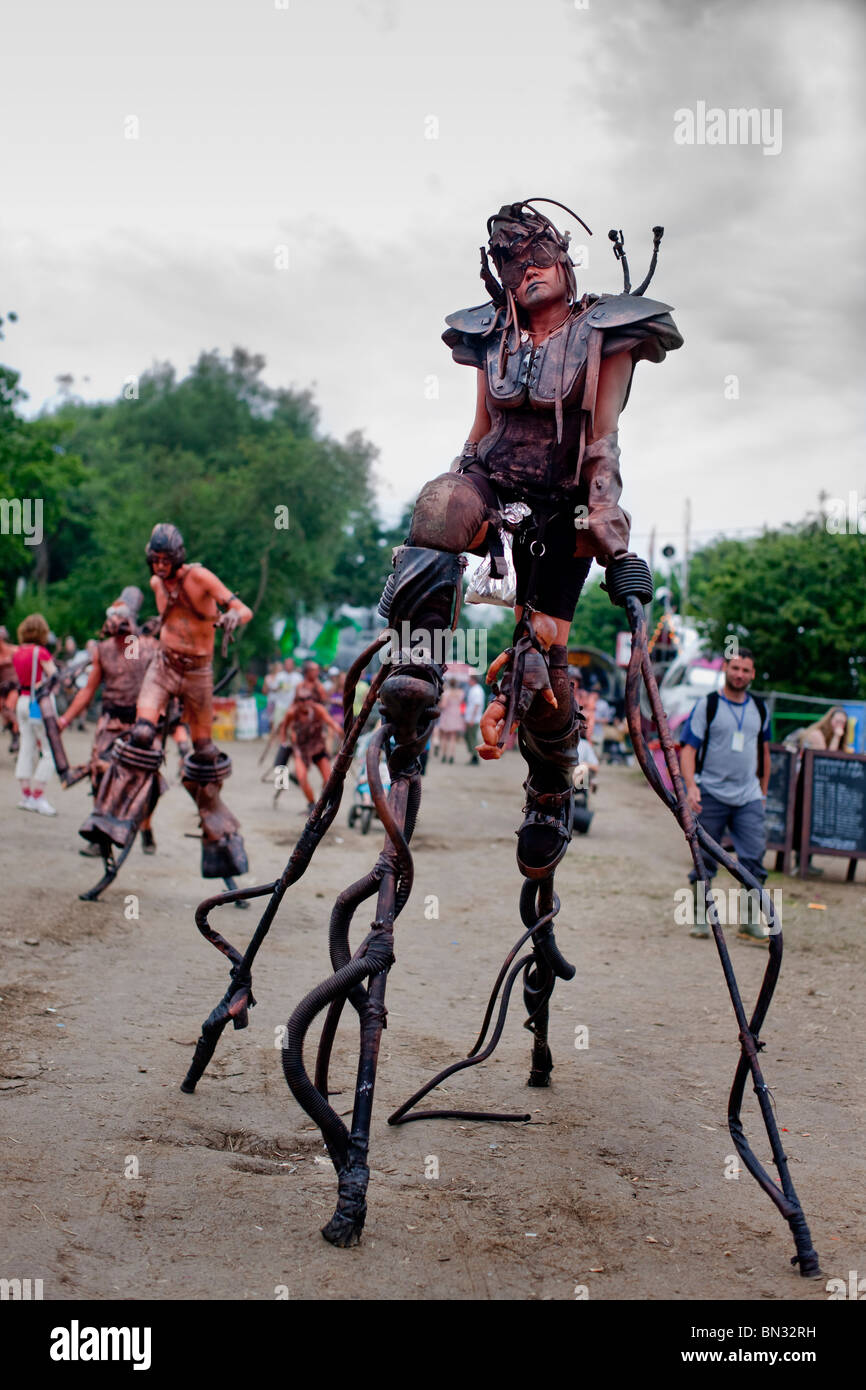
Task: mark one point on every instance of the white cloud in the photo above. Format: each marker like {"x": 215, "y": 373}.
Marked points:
{"x": 306, "y": 127}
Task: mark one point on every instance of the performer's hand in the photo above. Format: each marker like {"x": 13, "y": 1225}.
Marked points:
{"x": 230, "y": 620}
{"x": 536, "y": 679}
{"x": 496, "y": 666}
{"x": 62, "y": 722}
{"x": 693, "y": 795}
{"x": 492, "y": 724}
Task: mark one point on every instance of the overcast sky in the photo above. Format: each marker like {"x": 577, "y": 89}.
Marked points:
{"x": 308, "y": 127}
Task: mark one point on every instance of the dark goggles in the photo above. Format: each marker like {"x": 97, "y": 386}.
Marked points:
{"x": 514, "y": 263}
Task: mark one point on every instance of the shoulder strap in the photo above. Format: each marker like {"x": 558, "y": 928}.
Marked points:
{"x": 762, "y": 714}
{"x": 712, "y": 710}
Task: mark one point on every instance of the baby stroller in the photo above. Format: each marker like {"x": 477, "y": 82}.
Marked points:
{"x": 584, "y": 786}
{"x": 362, "y": 810}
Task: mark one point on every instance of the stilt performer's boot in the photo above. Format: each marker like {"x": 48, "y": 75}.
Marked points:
{"x": 421, "y": 601}
{"x": 222, "y": 847}
{"x": 128, "y": 791}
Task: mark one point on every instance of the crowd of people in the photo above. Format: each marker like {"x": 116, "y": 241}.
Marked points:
{"x": 724, "y": 744}
{"x": 303, "y": 711}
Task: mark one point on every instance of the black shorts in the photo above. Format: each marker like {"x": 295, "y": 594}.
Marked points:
{"x": 559, "y": 574}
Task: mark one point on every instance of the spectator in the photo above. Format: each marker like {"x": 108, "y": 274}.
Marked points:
{"x": 312, "y": 675}
{"x": 728, "y": 752}
{"x": 472, "y": 715}
{"x": 451, "y": 721}
{"x": 335, "y": 694}
{"x": 830, "y": 732}
{"x": 32, "y": 664}
{"x": 286, "y": 682}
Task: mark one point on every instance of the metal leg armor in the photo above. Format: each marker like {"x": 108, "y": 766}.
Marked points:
{"x": 551, "y": 756}
{"x": 222, "y": 847}
{"x": 126, "y": 796}
{"x": 129, "y": 789}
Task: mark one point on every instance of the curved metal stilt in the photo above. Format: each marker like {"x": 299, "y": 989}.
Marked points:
{"x": 112, "y": 866}
{"x": 238, "y": 999}
{"x": 783, "y": 1194}
{"x": 408, "y": 701}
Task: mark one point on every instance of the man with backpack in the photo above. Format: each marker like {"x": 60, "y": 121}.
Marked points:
{"x": 725, "y": 745}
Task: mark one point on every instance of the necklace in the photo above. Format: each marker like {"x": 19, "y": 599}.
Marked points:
{"x": 529, "y": 334}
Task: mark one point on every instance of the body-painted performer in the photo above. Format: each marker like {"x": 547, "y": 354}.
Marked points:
{"x": 122, "y": 656}
{"x": 8, "y": 689}
{"x": 554, "y": 371}
{"x": 303, "y": 727}
{"x": 188, "y": 598}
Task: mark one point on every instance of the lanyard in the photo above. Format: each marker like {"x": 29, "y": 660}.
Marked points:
{"x": 731, "y": 706}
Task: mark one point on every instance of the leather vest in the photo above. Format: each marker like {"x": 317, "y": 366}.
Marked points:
{"x": 121, "y": 675}
{"x": 523, "y": 452}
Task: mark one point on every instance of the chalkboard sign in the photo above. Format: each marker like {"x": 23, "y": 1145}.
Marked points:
{"x": 834, "y": 806}
{"x": 781, "y": 796}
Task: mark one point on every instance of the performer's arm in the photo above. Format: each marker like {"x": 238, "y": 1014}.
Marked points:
{"x": 84, "y": 696}
{"x": 326, "y": 718}
{"x": 236, "y": 613}
{"x": 481, "y": 423}
{"x": 613, "y": 379}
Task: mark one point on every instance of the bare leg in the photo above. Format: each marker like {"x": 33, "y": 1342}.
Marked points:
{"x": 303, "y": 779}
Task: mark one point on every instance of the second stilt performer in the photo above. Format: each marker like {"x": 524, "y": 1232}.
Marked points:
{"x": 188, "y": 598}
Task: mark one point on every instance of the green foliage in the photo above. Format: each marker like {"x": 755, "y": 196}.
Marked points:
{"x": 596, "y": 620}
{"x": 36, "y": 467}
{"x": 797, "y": 598}
{"x": 222, "y": 455}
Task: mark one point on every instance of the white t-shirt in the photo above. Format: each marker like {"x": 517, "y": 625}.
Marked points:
{"x": 474, "y": 704}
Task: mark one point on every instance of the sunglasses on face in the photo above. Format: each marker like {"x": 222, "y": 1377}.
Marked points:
{"x": 538, "y": 253}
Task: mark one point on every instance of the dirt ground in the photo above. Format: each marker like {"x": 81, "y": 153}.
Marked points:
{"x": 616, "y": 1187}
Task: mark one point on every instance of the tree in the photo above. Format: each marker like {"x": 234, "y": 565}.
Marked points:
{"x": 37, "y": 477}
{"x": 797, "y": 598}
{"x": 283, "y": 513}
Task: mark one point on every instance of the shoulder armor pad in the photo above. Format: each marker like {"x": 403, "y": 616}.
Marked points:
{"x": 617, "y": 310}
{"x": 475, "y": 320}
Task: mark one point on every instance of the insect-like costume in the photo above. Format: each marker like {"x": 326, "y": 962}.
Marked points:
{"x": 539, "y": 461}
{"x": 541, "y": 450}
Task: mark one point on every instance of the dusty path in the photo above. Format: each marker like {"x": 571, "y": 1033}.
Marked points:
{"x": 618, "y": 1184}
